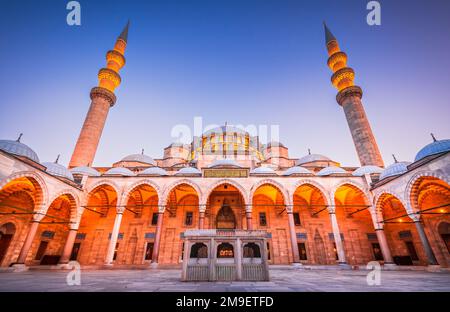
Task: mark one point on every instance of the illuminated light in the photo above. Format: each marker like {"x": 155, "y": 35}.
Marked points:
{"x": 442, "y": 210}
{"x": 400, "y": 220}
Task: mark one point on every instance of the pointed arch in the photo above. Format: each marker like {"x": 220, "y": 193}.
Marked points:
{"x": 314, "y": 184}
{"x": 283, "y": 191}
{"x": 41, "y": 196}
{"x": 136, "y": 185}
{"x": 238, "y": 186}
{"x": 165, "y": 194}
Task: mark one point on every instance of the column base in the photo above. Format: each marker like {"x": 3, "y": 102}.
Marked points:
{"x": 154, "y": 265}
{"x": 297, "y": 264}
{"x": 108, "y": 266}
{"x": 433, "y": 268}
{"x": 390, "y": 266}
{"x": 19, "y": 267}
{"x": 344, "y": 265}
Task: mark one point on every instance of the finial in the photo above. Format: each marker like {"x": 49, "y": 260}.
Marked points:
{"x": 57, "y": 158}
{"x": 328, "y": 35}
{"x": 434, "y": 138}
{"x": 395, "y": 159}
{"x": 142, "y": 152}
{"x": 309, "y": 151}
{"x": 124, "y": 33}
{"x": 20, "y": 136}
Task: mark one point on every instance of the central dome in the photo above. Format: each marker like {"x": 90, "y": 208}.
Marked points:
{"x": 225, "y": 129}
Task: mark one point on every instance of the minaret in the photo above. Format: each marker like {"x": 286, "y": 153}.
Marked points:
{"x": 102, "y": 98}
{"x": 349, "y": 97}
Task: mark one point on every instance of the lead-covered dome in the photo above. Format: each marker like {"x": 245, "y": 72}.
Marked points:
{"x": 263, "y": 171}
{"x": 58, "y": 170}
{"x": 224, "y": 163}
{"x": 369, "y": 169}
{"x": 330, "y": 170}
{"x": 311, "y": 158}
{"x": 395, "y": 169}
{"x": 19, "y": 149}
{"x": 188, "y": 171}
{"x": 296, "y": 170}
{"x": 141, "y": 158}
{"x": 120, "y": 171}
{"x": 154, "y": 171}
{"x": 85, "y": 171}
{"x": 438, "y": 146}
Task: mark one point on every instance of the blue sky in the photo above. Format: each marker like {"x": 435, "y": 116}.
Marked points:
{"x": 244, "y": 62}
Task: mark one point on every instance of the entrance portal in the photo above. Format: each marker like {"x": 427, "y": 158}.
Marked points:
{"x": 225, "y": 217}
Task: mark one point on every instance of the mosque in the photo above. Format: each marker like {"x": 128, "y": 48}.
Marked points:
{"x": 312, "y": 210}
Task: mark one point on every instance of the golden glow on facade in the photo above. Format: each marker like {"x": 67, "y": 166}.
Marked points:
{"x": 343, "y": 76}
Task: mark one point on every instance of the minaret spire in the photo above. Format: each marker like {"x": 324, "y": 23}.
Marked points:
{"x": 349, "y": 97}
{"x": 103, "y": 98}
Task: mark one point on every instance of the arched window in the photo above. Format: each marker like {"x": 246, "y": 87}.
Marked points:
{"x": 199, "y": 250}
{"x": 444, "y": 231}
{"x": 225, "y": 250}
{"x": 225, "y": 217}
{"x": 251, "y": 250}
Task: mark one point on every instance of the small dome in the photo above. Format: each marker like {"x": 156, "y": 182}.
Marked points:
{"x": 188, "y": 171}
{"x": 296, "y": 170}
{"x": 366, "y": 170}
{"x": 155, "y": 171}
{"x": 433, "y": 148}
{"x": 120, "y": 171}
{"x": 330, "y": 170}
{"x": 142, "y": 158}
{"x": 395, "y": 169}
{"x": 224, "y": 162}
{"x": 84, "y": 170}
{"x": 19, "y": 149}
{"x": 263, "y": 170}
{"x": 58, "y": 170}
{"x": 310, "y": 158}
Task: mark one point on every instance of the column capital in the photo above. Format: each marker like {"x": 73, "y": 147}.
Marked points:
{"x": 103, "y": 93}
{"x": 349, "y": 91}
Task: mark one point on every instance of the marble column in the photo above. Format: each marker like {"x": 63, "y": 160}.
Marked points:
{"x": 238, "y": 259}
{"x": 293, "y": 235}
{"x": 157, "y": 237}
{"x": 68, "y": 246}
{"x": 28, "y": 241}
{"x": 248, "y": 215}
{"x": 337, "y": 237}
{"x": 381, "y": 236}
{"x": 201, "y": 220}
{"x": 114, "y": 237}
{"x": 426, "y": 244}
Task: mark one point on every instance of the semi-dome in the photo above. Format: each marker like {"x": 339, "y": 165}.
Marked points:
{"x": 330, "y": 170}
{"x": 188, "y": 171}
{"x": 142, "y": 158}
{"x": 369, "y": 169}
{"x": 263, "y": 170}
{"x": 155, "y": 171}
{"x": 395, "y": 169}
{"x": 120, "y": 171}
{"x": 58, "y": 170}
{"x": 296, "y": 170}
{"x": 438, "y": 146}
{"x": 19, "y": 149}
{"x": 224, "y": 163}
{"x": 310, "y": 158}
{"x": 84, "y": 170}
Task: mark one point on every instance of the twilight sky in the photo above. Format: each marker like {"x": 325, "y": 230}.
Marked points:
{"x": 246, "y": 62}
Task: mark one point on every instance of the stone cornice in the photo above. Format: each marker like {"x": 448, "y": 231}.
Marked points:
{"x": 349, "y": 91}
{"x": 104, "y": 93}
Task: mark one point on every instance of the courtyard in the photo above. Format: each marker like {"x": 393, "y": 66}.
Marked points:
{"x": 282, "y": 279}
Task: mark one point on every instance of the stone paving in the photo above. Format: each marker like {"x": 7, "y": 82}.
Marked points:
{"x": 292, "y": 279}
